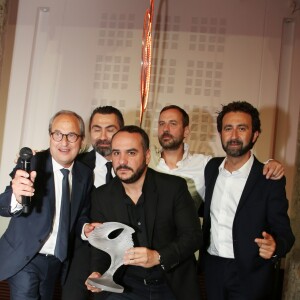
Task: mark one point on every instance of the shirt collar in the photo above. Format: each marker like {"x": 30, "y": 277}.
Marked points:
{"x": 186, "y": 153}
{"x": 100, "y": 160}
{"x": 56, "y": 166}
{"x": 243, "y": 171}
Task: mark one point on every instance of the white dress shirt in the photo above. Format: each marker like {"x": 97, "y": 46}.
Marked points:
{"x": 225, "y": 199}
{"x": 49, "y": 246}
{"x": 191, "y": 168}
{"x": 100, "y": 170}
{"x": 99, "y": 177}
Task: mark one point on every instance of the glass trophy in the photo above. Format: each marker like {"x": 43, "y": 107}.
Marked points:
{"x": 103, "y": 238}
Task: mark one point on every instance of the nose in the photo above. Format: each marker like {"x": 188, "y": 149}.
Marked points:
{"x": 123, "y": 159}
{"x": 166, "y": 127}
{"x": 64, "y": 140}
{"x": 234, "y": 133}
{"x": 103, "y": 135}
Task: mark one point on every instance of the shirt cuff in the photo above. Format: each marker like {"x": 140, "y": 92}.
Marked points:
{"x": 15, "y": 206}
{"x": 83, "y": 237}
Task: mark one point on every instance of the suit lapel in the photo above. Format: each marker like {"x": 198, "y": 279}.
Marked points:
{"x": 44, "y": 185}
{"x": 119, "y": 207}
{"x": 88, "y": 159}
{"x": 77, "y": 190}
{"x": 210, "y": 184}
{"x": 49, "y": 172}
{"x": 254, "y": 175}
{"x": 151, "y": 199}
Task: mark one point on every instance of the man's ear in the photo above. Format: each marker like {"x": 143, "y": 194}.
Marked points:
{"x": 148, "y": 156}
{"x": 186, "y": 132}
{"x": 255, "y": 137}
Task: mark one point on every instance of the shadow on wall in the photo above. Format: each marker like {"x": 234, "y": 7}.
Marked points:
{"x": 275, "y": 142}
{"x": 203, "y": 132}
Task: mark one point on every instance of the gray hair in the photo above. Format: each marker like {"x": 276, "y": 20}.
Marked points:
{"x": 70, "y": 113}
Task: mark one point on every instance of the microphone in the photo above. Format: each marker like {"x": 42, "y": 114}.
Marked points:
{"x": 25, "y": 155}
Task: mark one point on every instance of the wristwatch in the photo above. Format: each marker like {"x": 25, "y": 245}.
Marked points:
{"x": 161, "y": 261}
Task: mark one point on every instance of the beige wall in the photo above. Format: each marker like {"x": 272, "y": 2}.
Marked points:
{"x": 81, "y": 54}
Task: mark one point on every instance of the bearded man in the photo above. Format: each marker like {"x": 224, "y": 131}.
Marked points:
{"x": 246, "y": 228}
{"x": 159, "y": 207}
{"x": 175, "y": 157}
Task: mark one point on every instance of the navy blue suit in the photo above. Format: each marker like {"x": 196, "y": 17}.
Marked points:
{"x": 26, "y": 234}
{"x": 262, "y": 207}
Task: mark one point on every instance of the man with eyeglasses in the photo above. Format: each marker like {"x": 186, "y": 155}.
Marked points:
{"x": 36, "y": 245}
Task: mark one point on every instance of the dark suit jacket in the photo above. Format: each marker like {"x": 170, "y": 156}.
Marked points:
{"x": 26, "y": 233}
{"x": 88, "y": 158}
{"x": 173, "y": 228}
{"x": 262, "y": 207}
{"x": 79, "y": 269}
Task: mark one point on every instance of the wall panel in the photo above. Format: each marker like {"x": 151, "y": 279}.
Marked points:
{"x": 81, "y": 54}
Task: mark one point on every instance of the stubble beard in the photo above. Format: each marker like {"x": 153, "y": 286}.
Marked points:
{"x": 104, "y": 151}
{"x": 135, "y": 175}
{"x": 237, "y": 152}
{"x": 172, "y": 144}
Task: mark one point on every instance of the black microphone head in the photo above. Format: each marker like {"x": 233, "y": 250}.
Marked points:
{"x": 26, "y": 153}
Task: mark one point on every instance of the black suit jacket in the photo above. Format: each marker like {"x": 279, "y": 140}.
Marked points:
{"x": 262, "y": 207}
{"x": 173, "y": 228}
{"x": 88, "y": 158}
{"x": 26, "y": 233}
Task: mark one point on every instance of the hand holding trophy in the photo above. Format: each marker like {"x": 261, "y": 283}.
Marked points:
{"x": 101, "y": 238}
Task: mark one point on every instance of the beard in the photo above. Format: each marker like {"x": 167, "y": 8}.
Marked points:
{"x": 103, "y": 147}
{"x": 135, "y": 175}
{"x": 172, "y": 143}
{"x": 237, "y": 152}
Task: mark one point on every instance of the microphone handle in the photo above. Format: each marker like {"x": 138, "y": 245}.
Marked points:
{"x": 26, "y": 199}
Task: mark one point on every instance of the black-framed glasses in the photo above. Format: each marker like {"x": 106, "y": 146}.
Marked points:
{"x": 71, "y": 136}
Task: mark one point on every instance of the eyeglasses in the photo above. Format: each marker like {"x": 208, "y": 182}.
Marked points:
{"x": 71, "y": 137}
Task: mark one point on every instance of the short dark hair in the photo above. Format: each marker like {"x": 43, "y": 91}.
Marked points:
{"x": 107, "y": 110}
{"x": 140, "y": 131}
{"x": 70, "y": 113}
{"x": 240, "y": 106}
{"x": 185, "y": 116}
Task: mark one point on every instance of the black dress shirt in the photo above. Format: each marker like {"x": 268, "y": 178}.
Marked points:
{"x": 136, "y": 214}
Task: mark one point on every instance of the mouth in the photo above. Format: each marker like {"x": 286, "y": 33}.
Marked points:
{"x": 167, "y": 136}
{"x": 103, "y": 144}
{"x": 234, "y": 144}
{"x": 64, "y": 150}
{"x": 123, "y": 169}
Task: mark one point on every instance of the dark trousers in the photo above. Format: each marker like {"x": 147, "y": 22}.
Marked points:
{"x": 222, "y": 281}
{"x": 136, "y": 289}
{"x": 36, "y": 281}
{"x": 74, "y": 287}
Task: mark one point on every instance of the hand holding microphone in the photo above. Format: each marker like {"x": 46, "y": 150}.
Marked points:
{"x": 22, "y": 184}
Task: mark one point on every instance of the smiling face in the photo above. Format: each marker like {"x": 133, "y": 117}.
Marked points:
{"x": 171, "y": 132}
{"x": 237, "y": 136}
{"x": 129, "y": 158}
{"x": 65, "y": 152}
{"x": 103, "y": 127}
